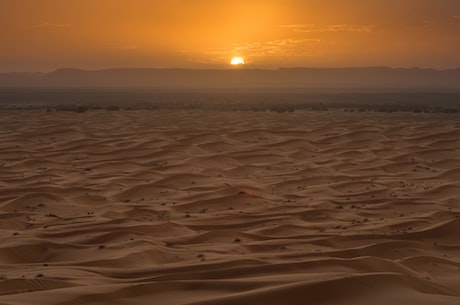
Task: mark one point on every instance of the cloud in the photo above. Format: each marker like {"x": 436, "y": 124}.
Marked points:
{"x": 266, "y": 48}
{"x": 280, "y": 47}
{"x": 271, "y": 48}
{"x": 314, "y": 28}
{"x": 51, "y": 25}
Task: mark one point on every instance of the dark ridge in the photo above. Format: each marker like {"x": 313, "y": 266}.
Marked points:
{"x": 240, "y": 79}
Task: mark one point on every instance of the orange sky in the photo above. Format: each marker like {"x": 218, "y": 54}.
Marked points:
{"x": 42, "y": 35}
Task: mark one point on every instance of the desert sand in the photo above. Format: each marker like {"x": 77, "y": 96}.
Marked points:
{"x": 207, "y": 208}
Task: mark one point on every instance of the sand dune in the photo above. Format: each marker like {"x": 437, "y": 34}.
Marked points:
{"x": 204, "y": 208}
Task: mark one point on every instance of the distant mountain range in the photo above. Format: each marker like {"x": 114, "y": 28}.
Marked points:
{"x": 240, "y": 78}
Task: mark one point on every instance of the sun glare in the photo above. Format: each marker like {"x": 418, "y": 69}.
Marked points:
{"x": 237, "y": 61}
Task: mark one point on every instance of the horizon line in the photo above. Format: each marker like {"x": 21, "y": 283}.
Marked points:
{"x": 249, "y": 68}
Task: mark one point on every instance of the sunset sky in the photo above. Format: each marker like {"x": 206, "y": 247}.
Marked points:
{"x": 43, "y": 35}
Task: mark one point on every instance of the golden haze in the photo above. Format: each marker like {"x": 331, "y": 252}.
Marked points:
{"x": 48, "y": 34}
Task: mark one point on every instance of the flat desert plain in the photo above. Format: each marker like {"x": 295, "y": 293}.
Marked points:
{"x": 206, "y": 208}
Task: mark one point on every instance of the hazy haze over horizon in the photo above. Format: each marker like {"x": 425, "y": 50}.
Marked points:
{"x": 49, "y": 34}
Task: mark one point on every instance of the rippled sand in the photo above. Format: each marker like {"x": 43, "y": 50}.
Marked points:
{"x": 146, "y": 207}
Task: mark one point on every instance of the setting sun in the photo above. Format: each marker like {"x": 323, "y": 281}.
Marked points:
{"x": 237, "y": 61}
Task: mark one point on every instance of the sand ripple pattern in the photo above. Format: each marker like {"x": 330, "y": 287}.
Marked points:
{"x": 207, "y": 208}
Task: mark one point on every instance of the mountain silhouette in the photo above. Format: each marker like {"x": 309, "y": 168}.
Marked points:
{"x": 284, "y": 78}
